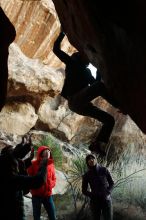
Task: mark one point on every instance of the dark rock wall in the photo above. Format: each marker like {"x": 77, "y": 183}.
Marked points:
{"x": 112, "y": 34}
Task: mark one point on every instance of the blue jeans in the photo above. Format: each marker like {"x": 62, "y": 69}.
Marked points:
{"x": 48, "y": 204}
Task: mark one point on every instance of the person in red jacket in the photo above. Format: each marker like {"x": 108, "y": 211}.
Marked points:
{"x": 43, "y": 195}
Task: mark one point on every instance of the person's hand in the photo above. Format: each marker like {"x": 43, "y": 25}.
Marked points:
{"x": 104, "y": 194}
{"x": 31, "y": 153}
{"x": 29, "y": 139}
{"x": 23, "y": 140}
{"x": 22, "y": 149}
{"x": 26, "y": 139}
{"x": 44, "y": 162}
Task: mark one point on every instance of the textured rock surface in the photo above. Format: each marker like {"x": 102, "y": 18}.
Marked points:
{"x": 34, "y": 82}
{"x": 58, "y": 117}
{"x": 113, "y": 36}
{"x": 30, "y": 79}
{"x": 17, "y": 118}
{"x": 37, "y": 26}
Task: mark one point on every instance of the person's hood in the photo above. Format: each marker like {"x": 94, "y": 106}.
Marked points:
{"x": 40, "y": 150}
{"x": 87, "y": 159}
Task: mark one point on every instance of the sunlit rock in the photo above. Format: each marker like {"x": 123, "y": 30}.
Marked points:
{"x": 31, "y": 75}
{"x": 17, "y": 118}
{"x": 57, "y": 116}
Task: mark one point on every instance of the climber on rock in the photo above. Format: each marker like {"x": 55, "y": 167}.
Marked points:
{"x": 7, "y": 36}
{"x": 80, "y": 88}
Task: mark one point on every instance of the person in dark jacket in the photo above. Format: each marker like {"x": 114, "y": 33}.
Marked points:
{"x": 20, "y": 151}
{"x": 43, "y": 195}
{"x": 80, "y": 88}
{"x": 13, "y": 183}
{"x": 7, "y": 36}
{"x": 24, "y": 147}
{"x": 99, "y": 180}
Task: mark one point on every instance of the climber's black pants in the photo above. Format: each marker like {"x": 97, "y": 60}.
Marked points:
{"x": 81, "y": 104}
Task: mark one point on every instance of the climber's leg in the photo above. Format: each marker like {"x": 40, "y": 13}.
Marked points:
{"x": 89, "y": 93}
{"x": 94, "y": 112}
{"x": 100, "y": 142}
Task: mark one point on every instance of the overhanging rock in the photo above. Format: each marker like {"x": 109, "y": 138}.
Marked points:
{"x": 113, "y": 36}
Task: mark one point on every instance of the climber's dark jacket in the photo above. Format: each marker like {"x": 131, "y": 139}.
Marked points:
{"x": 77, "y": 75}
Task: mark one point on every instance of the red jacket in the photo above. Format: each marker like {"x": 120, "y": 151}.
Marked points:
{"x": 46, "y": 188}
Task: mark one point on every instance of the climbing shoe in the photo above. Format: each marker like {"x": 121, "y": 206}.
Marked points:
{"x": 98, "y": 148}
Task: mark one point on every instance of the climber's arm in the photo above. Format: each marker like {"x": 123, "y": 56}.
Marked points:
{"x": 65, "y": 58}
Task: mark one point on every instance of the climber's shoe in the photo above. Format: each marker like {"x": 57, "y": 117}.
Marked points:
{"x": 98, "y": 148}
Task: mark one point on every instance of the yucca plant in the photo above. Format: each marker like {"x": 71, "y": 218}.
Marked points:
{"x": 74, "y": 180}
{"x": 75, "y": 174}
{"x": 130, "y": 179}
